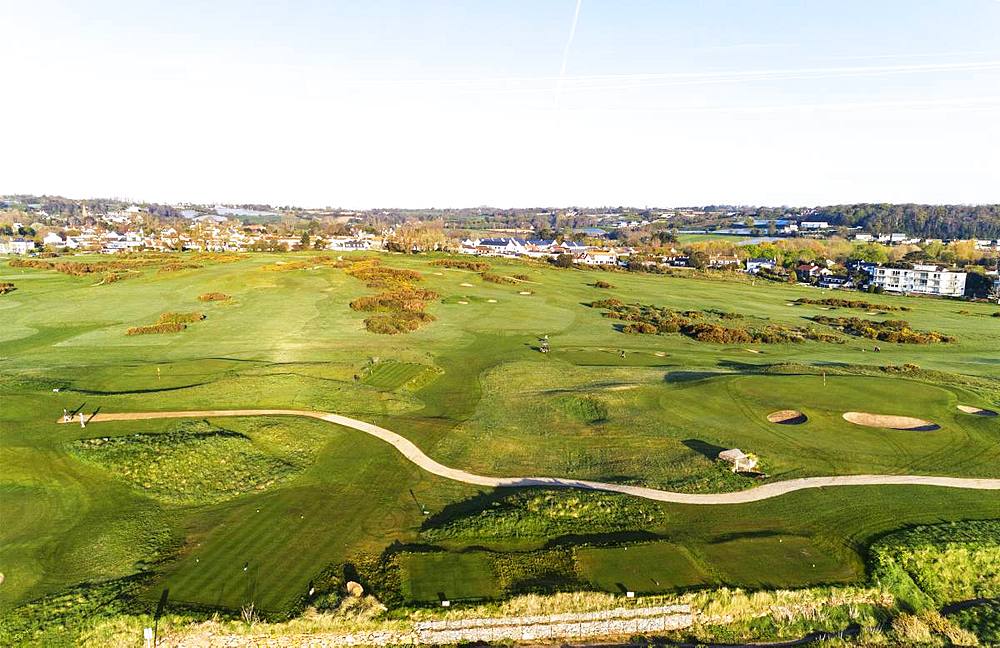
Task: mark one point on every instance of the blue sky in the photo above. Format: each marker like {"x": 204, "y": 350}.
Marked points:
{"x": 365, "y": 104}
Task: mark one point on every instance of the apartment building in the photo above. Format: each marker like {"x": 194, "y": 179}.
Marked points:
{"x": 922, "y": 279}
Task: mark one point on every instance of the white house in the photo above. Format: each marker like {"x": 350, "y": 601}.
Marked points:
{"x": 598, "y": 258}
{"x": 922, "y": 279}
{"x": 503, "y": 246}
{"x": 54, "y": 240}
{"x": 17, "y": 246}
{"x": 756, "y": 265}
{"x": 814, "y": 225}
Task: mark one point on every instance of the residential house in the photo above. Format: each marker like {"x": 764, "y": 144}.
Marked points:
{"x": 756, "y": 265}
{"x": 17, "y": 246}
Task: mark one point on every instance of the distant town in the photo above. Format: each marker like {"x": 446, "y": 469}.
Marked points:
{"x": 777, "y": 245}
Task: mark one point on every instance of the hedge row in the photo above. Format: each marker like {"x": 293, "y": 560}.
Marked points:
{"x": 887, "y": 331}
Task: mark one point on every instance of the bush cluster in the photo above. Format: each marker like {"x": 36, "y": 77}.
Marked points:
{"x": 886, "y": 331}
{"x": 398, "y": 322}
{"x": 6, "y": 287}
{"x": 850, "y": 303}
{"x": 497, "y": 279}
{"x": 170, "y": 327}
{"x": 404, "y": 299}
{"x": 462, "y": 264}
{"x": 602, "y": 284}
{"x": 375, "y": 275}
{"x": 179, "y": 318}
{"x": 703, "y": 326}
{"x": 214, "y": 296}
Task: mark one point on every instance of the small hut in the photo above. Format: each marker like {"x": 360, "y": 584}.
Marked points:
{"x": 741, "y": 461}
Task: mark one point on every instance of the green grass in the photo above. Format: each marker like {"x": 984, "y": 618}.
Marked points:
{"x": 775, "y": 561}
{"x": 472, "y": 391}
{"x": 429, "y": 577}
{"x": 644, "y": 568}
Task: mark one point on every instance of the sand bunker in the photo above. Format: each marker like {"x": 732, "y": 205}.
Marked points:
{"x": 465, "y": 285}
{"x": 492, "y": 301}
{"x": 890, "y": 422}
{"x": 354, "y": 589}
{"x": 787, "y": 417}
{"x": 751, "y": 350}
{"x": 524, "y": 292}
{"x": 977, "y": 411}
{"x": 462, "y": 302}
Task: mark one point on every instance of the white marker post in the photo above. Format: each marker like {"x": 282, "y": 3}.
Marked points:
{"x": 83, "y": 423}
{"x": 147, "y": 635}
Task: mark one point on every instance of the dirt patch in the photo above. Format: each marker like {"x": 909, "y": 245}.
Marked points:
{"x": 891, "y": 422}
{"x": 976, "y": 411}
{"x": 787, "y": 417}
{"x": 621, "y": 387}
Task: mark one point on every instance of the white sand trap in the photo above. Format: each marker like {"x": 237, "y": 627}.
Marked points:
{"x": 354, "y": 589}
{"x": 462, "y": 302}
{"x": 890, "y": 422}
{"x": 465, "y": 285}
{"x": 977, "y": 411}
{"x": 524, "y": 292}
{"x": 790, "y": 304}
{"x": 491, "y": 301}
{"x": 621, "y": 387}
{"x": 787, "y": 417}
{"x": 440, "y": 274}
{"x": 659, "y": 354}
{"x": 752, "y": 351}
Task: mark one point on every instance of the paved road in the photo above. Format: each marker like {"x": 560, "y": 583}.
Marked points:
{"x": 416, "y": 455}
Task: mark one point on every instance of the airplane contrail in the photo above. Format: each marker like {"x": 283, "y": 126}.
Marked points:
{"x": 569, "y": 45}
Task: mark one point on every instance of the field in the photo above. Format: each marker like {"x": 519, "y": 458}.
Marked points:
{"x": 232, "y": 510}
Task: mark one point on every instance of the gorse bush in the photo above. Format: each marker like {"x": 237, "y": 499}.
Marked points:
{"x": 214, "y": 296}
{"x": 703, "y": 326}
{"x": 886, "y": 331}
{"x": 602, "y": 284}
{"x": 850, "y": 303}
{"x": 6, "y": 287}
{"x": 462, "y": 264}
{"x": 170, "y": 327}
{"x": 375, "y": 275}
{"x": 497, "y": 279}
{"x": 398, "y": 322}
{"x": 406, "y": 299}
{"x": 179, "y": 318}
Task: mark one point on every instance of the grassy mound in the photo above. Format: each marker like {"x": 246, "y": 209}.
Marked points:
{"x": 195, "y": 464}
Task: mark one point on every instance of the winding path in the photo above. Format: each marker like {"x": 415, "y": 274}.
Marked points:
{"x": 417, "y": 456}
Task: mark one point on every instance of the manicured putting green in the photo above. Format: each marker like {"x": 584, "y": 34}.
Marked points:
{"x": 452, "y": 576}
{"x": 775, "y": 561}
{"x": 656, "y": 567}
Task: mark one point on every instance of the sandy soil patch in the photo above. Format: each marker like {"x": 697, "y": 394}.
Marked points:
{"x": 890, "y": 422}
{"x": 977, "y": 411}
{"x": 621, "y": 387}
{"x": 787, "y": 417}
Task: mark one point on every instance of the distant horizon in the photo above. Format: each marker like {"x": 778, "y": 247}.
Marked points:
{"x": 272, "y": 205}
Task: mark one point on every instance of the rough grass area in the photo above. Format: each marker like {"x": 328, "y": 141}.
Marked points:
{"x": 214, "y": 297}
{"x": 196, "y": 464}
{"x": 535, "y": 514}
{"x": 932, "y": 566}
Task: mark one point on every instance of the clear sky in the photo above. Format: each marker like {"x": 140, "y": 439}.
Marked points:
{"x": 421, "y": 103}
